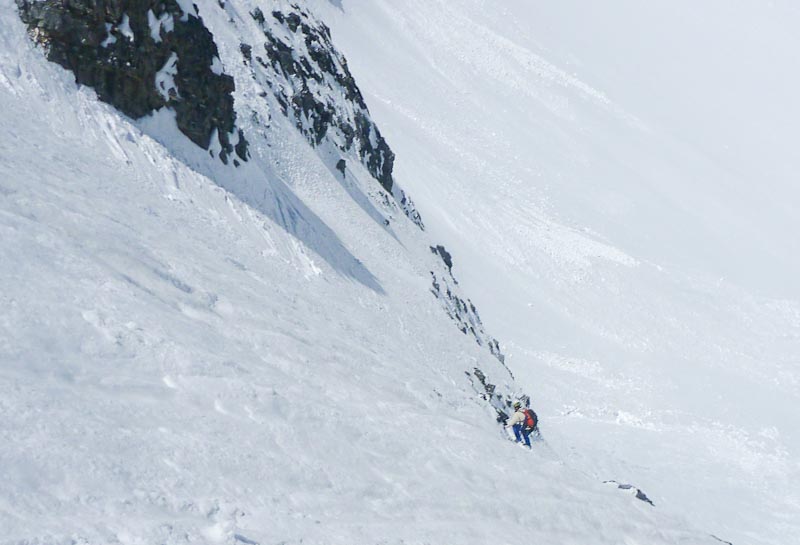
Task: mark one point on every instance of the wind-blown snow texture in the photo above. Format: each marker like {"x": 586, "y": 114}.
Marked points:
{"x": 196, "y": 353}
{"x": 617, "y": 182}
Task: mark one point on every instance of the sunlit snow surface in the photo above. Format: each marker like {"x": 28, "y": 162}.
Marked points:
{"x": 179, "y": 364}
{"x": 617, "y": 182}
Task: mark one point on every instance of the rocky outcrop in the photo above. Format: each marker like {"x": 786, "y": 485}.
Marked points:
{"x": 314, "y": 87}
{"x": 465, "y": 316}
{"x": 442, "y": 252}
{"x": 461, "y": 311}
{"x": 140, "y": 56}
{"x": 502, "y": 401}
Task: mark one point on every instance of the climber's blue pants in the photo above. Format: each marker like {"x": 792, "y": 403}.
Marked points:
{"x": 520, "y": 434}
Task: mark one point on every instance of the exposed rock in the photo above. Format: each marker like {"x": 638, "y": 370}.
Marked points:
{"x": 501, "y": 402}
{"x": 247, "y": 52}
{"x": 140, "y": 56}
{"x": 341, "y": 166}
{"x": 445, "y": 288}
{"x": 314, "y": 87}
{"x": 638, "y": 493}
{"x": 445, "y": 255}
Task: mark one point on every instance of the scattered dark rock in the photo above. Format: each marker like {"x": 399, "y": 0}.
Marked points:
{"x": 139, "y": 56}
{"x": 341, "y": 166}
{"x": 445, "y": 288}
{"x": 241, "y": 147}
{"x": 409, "y": 209}
{"x": 639, "y": 494}
{"x": 489, "y": 394}
{"x": 247, "y": 52}
{"x": 258, "y": 15}
{"x": 446, "y": 257}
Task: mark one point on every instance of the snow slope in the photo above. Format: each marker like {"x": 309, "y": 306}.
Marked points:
{"x": 195, "y": 353}
{"x": 617, "y": 182}
{"x": 192, "y": 353}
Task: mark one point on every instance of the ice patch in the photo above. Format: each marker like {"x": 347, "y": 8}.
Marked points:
{"x": 155, "y": 26}
{"x": 110, "y": 39}
{"x": 165, "y": 24}
{"x": 187, "y": 7}
{"x": 214, "y": 146}
{"x": 216, "y": 66}
{"x": 165, "y": 79}
{"x": 125, "y": 28}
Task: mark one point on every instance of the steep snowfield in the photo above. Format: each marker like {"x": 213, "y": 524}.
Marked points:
{"x": 617, "y": 182}
{"x": 185, "y": 363}
{"x": 194, "y": 353}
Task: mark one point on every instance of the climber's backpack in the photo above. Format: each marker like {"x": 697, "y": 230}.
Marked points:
{"x": 531, "y": 420}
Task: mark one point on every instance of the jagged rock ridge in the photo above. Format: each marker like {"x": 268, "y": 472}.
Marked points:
{"x": 313, "y": 85}
{"x": 445, "y": 288}
{"x": 500, "y": 399}
{"x": 140, "y": 56}
{"x": 143, "y": 55}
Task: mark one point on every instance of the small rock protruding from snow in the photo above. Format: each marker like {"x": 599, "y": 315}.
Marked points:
{"x": 637, "y": 492}
{"x": 341, "y": 166}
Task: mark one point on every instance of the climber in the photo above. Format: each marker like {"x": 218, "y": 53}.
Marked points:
{"x": 524, "y": 422}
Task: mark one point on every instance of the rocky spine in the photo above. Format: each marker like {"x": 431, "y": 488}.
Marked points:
{"x": 140, "y": 56}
